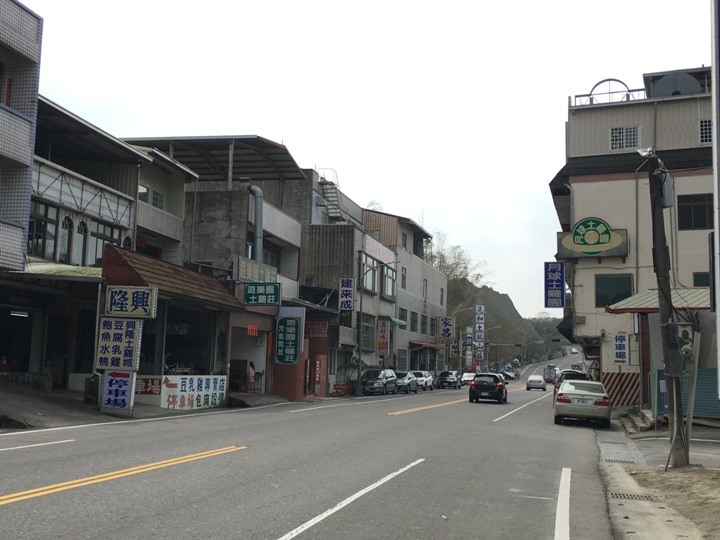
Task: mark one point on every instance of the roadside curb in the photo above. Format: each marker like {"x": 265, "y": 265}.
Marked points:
{"x": 635, "y": 512}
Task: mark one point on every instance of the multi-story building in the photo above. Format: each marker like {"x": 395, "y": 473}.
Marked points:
{"x": 20, "y": 45}
{"x": 602, "y": 200}
{"x": 421, "y": 292}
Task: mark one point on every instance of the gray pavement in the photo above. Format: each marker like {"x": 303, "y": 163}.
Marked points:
{"x": 633, "y": 511}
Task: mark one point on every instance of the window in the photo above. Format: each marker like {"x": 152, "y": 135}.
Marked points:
{"x": 65, "y": 240}
{"x": 367, "y": 332}
{"x": 402, "y": 314}
{"x": 424, "y": 289}
{"x": 100, "y": 235}
{"x": 389, "y": 279}
{"x": 624, "y": 137}
{"x": 695, "y": 212}
{"x": 158, "y": 200}
{"x": 433, "y": 326}
{"x": 80, "y": 244}
{"x": 42, "y": 230}
{"x": 403, "y": 278}
{"x": 423, "y": 324}
{"x": 413, "y": 321}
{"x": 701, "y": 279}
{"x": 442, "y": 296}
{"x": 368, "y": 271}
{"x": 612, "y": 288}
{"x": 143, "y": 193}
{"x": 705, "y": 131}
{"x": 403, "y": 236}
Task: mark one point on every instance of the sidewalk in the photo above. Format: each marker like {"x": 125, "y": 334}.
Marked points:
{"x": 647, "y": 502}
{"x": 25, "y": 406}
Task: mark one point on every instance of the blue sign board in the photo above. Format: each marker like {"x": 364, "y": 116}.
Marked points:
{"x": 554, "y": 284}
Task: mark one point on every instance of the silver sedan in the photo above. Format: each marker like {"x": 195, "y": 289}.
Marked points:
{"x": 585, "y": 400}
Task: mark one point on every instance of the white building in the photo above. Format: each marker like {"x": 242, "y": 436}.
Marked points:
{"x": 602, "y": 200}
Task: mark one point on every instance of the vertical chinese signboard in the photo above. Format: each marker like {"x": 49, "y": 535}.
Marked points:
{"x": 383, "y": 338}
{"x": 117, "y": 390}
{"x": 288, "y": 335}
{"x": 447, "y": 329}
{"x": 346, "y": 294}
{"x": 118, "y": 344}
{"x": 621, "y": 353}
{"x": 554, "y": 284}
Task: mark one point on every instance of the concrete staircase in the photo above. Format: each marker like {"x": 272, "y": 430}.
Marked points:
{"x": 637, "y": 420}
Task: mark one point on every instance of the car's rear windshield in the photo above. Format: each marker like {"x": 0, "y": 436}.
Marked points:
{"x": 446, "y": 373}
{"x": 371, "y": 374}
{"x": 582, "y": 386}
{"x": 418, "y": 373}
{"x": 485, "y": 378}
{"x": 400, "y": 374}
{"x": 535, "y": 378}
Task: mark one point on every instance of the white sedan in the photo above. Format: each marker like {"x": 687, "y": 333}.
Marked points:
{"x": 467, "y": 378}
{"x": 424, "y": 379}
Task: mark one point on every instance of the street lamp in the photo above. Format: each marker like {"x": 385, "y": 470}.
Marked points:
{"x": 358, "y": 385}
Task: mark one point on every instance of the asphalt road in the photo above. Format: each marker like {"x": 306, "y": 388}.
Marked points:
{"x": 428, "y": 466}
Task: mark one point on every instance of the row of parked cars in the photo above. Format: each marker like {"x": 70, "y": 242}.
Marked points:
{"x": 387, "y": 381}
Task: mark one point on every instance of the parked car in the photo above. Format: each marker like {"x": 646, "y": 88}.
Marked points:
{"x": 424, "y": 379}
{"x": 379, "y": 381}
{"x": 585, "y": 400}
{"x": 406, "y": 382}
{"x": 449, "y": 379}
{"x": 568, "y": 374}
{"x": 467, "y": 378}
{"x": 509, "y": 375}
{"x": 535, "y": 381}
{"x": 488, "y": 386}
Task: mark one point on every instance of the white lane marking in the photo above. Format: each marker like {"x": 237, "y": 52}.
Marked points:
{"x": 317, "y": 519}
{"x": 34, "y": 445}
{"x": 562, "y": 513}
{"x": 365, "y": 400}
{"x": 521, "y": 407}
{"x": 535, "y": 497}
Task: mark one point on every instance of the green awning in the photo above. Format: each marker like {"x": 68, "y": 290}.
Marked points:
{"x": 396, "y": 322}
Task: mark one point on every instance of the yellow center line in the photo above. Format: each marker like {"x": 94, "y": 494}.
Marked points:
{"x": 416, "y": 409}
{"x": 80, "y": 482}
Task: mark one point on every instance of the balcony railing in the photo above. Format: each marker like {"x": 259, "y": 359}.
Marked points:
{"x": 601, "y": 98}
{"x": 159, "y": 221}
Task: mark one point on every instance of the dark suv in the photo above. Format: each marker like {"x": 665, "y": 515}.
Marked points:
{"x": 379, "y": 381}
{"x": 449, "y": 379}
{"x": 488, "y": 386}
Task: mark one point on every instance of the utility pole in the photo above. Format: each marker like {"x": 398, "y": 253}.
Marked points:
{"x": 661, "y": 263}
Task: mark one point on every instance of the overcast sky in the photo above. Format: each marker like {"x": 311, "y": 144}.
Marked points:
{"x": 449, "y": 113}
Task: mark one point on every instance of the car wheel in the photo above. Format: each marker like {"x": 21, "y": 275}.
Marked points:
{"x": 395, "y": 390}
{"x": 544, "y": 389}
{"x": 431, "y": 387}
{"x": 384, "y": 390}
{"x": 500, "y": 400}
{"x": 415, "y": 391}
{"x": 527, "y": 388}
{"x": 407, "y": 389}
{"x": 558, "y": 420}
{"x": 424, "y": 387}
{"x": 471, "y": 399}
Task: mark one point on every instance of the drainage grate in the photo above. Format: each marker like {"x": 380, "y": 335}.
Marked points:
{"x": 613, "y": 442}
{"x": 623, "y": 461}
{"x": 632, "y": 496}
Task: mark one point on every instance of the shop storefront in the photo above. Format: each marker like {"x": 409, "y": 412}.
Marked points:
{"x": 184, "y": 348}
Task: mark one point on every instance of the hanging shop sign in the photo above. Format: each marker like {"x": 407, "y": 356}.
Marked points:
{"x": 262, "y": 294}
{"x": 117, "y": 390}
{"x": 554, "y": 284}
{"x": 383, "y": 337}
{"x": 592, "y": 237}
{"x": 346, "y": 294}
{"x": 447, "y": 329}
{"x": 118, "y": 344}
{"x": 288, "y": 340}
{"x": 140, "y": 302}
